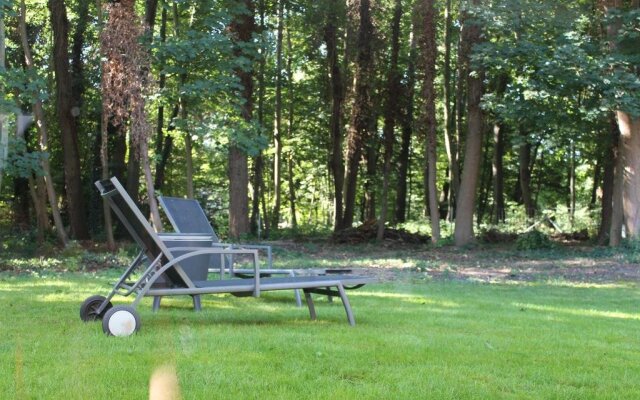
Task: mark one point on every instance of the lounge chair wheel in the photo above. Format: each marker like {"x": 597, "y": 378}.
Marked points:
{"x": 89, "y": 308}
{"x": 121, "y": 321}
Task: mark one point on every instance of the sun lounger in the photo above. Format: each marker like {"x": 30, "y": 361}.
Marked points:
{"x": 166, "y": 265}
{"x": 187, "y": 216}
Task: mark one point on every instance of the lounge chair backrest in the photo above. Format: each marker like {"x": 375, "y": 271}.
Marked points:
{"x": 138, "y": 227}
{"x": 187, "y": 216}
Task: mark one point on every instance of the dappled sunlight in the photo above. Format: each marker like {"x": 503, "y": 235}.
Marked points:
{"x": 592, "y": 285}
{"x": 581, "y": 312}
{"x": 410, "y": 298}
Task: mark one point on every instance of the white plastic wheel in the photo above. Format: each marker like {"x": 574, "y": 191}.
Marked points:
{"x": 121, "y": 321}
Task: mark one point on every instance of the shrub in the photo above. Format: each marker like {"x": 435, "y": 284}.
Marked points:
{"x": 533, "y": 240}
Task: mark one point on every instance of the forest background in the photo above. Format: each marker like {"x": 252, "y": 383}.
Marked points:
{"x": 314, "y": 116}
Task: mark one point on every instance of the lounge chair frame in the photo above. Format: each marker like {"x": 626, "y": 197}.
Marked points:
{"x": 163, "y": 261}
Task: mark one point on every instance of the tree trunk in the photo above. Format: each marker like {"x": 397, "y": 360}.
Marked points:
{"x": 462, "y": 78}
{"x": 133, "y": 173}
{"x": 66, "y": 120}
{"x": 407, "y": 130}
{"x": 450, "y": 141}
{"x": 161, "y": 143}
{"x": 277, "y": 133}
{"x": 630, "y": 140}
{"x": 77, "y": 64}
{"x": 429, "y": 95}
{"x": 609, "y": 157}
{"x": 485, "y": 178}
{"x": 242, "y": 27}
{"x": 4, "y": 132}
{"x": 498, "y": 174}
{"x": 290, "y": 161}
{"x": 337, "y": 97}
{"x": 465, "y": 205}
{"x": 42, "y": 128}
{"x": 371, "y": 181}
{"x": 572, "y": 183}
{"x": 40, "y": 207}
{"x": 617, "y": 212}
{"x": 292, "y": 193}
{"x": 256, "y": 221}
{"x": 390, "y": 115}
{"x": 524, "y": 170}
{"x": 362, "y": 110}
{"x": 597, "y": 181}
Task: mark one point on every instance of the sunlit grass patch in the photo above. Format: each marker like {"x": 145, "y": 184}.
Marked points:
{"x": 432, "y": 339}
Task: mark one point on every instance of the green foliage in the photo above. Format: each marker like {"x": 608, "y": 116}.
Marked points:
{"x": 533, "y": 240}
{"x": 22, "y": 163}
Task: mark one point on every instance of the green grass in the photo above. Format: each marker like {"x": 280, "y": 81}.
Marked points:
{"x": 429, "y": 339}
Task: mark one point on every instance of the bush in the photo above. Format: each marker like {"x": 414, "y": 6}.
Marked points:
{"x": 533, "y": 240}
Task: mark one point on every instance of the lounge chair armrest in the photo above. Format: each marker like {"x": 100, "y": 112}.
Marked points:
{"x": 198, "y": 251}
{"x": 255, "y": 247}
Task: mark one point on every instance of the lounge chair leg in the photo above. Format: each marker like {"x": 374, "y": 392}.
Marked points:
{"x": 347, "y": 305}
{"x": 329, "y": 297}
{"x": 197, "y": 306}
{"x": 156, "y": 303}
{"x": 312, "y": 308}
{"x": 296, "y": 292}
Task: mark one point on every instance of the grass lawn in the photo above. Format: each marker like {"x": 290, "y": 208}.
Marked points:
{"x": 415, "y": 338}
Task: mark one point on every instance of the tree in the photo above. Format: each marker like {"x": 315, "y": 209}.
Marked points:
{"x": 43, "y": 141}
{"x": 336, "y": 89}
{"x": 465, "y": 205}
{"x": 242, "y": 28}
{"x": 430, "y": 54}
{"x": 124, "y": 78}
{"x": 66, "y": 119}
{"x": 361, "y": 114}
{"x": 390, "y": 114}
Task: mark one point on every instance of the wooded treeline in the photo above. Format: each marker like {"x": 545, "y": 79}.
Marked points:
{"x": 298, "y": 114}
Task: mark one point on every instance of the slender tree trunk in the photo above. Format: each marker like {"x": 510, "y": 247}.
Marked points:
{"x": 362, "y": 110}
{"x": 608, "y": 178}
{"x": 462, "y": 78}
{"x": 498, "y": 174}
{"x": 104, "y": 151}
{"x": 258, "y": 164}
{"x": 463, "y": 233}
{"x": 290, "y": 121}
{"x": 242, "y": 27}
{"x": 66, "y": 120}
{"x": 371, "y": 181}
{"x": 4, "y": 132}
{"x": 188, "y": 143}
{"x": 42, "y": 128}
{"x": 292, "y": 193}
{"x": 430, "y": 115}
{"x": 77, "y": 63}
{"x": 391, "y": 113}
{"x": 337, "y": 97}
{"x": 40, "y": 207}
{"x": 407, "y": 130}
{"x": 150, "y": 11}
{"x": 450, "y": 140}
{"x": 277, "y": 133}
{"x": 524, "y": 168}
{"x": 485, "y": 177}
{"x": 597, "y": 181}
{"x": 161, "y": 144}
{"x": 572, "y": 183}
